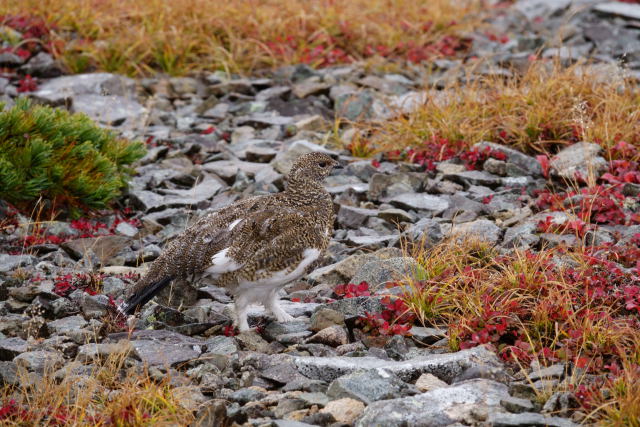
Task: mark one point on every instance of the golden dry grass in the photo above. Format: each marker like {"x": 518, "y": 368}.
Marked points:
{"x": 546, "y": 316}
{"x": 112, "y": 394}
{"x": 546, "y": 106}
{"x": 135, "y": 37}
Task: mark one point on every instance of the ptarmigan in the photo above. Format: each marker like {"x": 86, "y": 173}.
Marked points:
{"x": 253, "y": 247}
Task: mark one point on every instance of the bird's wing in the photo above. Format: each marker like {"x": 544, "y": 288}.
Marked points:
{"x": 271, "y": 240}
{"x": 189, "y": 252}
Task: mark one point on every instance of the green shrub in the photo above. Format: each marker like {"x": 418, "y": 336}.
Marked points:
{"x": 61, "y": 159}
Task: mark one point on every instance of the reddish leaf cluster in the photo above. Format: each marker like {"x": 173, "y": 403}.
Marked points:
{"x": 351, "y": 290}
{"x": 36, "y": 34}
{"x": 27, "y": 84}
{"x": 437, "y": 149}
{"x": 474, "y": 158}
{"x": 85, "y": 227}
{"x": 16, "y": 414}
{"x": 323, "y": 50}
{"x": 395, "y": 319}
{"x": 67, "y": 283}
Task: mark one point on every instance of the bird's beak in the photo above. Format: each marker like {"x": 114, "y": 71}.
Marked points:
{"x": 337, "y": 168}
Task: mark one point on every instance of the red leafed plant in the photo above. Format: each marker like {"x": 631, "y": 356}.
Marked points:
{"x": 395, "y": 318}
{"x": 27, "y": 84}
{"x": 351, "y": 290}
{"x": 67, "y": 283}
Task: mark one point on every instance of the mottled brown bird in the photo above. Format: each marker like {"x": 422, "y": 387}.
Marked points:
{"x": 253, "y": 247}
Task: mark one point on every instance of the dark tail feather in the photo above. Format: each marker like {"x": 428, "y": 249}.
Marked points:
{"x": 139, "y": 299}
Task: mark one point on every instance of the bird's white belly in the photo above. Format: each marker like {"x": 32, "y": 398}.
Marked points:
{"x": 278, "y": 279}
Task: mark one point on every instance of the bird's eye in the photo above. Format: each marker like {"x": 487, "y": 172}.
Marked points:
{"x": 322, "y": 164}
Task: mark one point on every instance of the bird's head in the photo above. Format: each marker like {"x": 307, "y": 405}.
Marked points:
{"x": 312, "y": 166}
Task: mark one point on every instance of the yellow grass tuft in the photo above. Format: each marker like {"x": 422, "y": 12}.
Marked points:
{"x": 135, "y": 37}
{"x": 548, "y": 105}
{"x": 112, "y": 394}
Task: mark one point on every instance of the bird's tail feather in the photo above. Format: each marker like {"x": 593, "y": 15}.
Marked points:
{"x": 143, "y": 296}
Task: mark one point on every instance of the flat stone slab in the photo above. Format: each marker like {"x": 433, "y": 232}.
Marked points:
{"x": 11, "y": 262}
{"x": 162, "y": 347}
{"x": 419, "y": 201}
{"x": 625, "y": 10}
{"x": 439, "y": 407}
{"x": 444, "y": 366}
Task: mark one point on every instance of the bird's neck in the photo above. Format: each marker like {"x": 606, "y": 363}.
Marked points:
{"x": 305, "y": 192}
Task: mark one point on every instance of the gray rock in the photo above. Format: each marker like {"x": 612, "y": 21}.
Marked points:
{"x": 67, "y": 324}
{"x": 104, "y": 247}
{"x": 221, "y": 345}
{"x": 529, "y": 419}
{"x": 462, "y": 209}
{"x": 355, "y": 106}
{"x": 630, "y": 11}
{"x": 382, "y": 186}
{"x": 9, "y": 373}
{"x": 126, "y": 229}
{"x": 113, "y": 286}
{"x": 370, "y": 241}
{"x": 554, "y": 371}
{"x": 521, "y": 236}
{"x": 310, "y": 86}
{"x": 9, "y": 59}
{"x": 445, "y": 366}
{"x": 110, "y": 110}
{"x": 419, "y": 201}
{"x": 201, "y": 192}
{"x": 274, "y": 330}
{"x": 102, "y": 96}
{"x": 381, "y": 271}
{"x": 39, "y": 361}
{"x": 251, "y": 341}
{"x": 427, "y": 336}
{"x": 481, "y": 229}
{"x": 325, "y": 317}
{"x": 425, "y": 230}
{"x": 282, "y": 373}
{"x": 517, "y": 405}
{"x": 581, "y": 158}
{"x": 396, "y": 216}
{"x": 439, "y": 407}
{"x": 284, "y": 160}
{"x": 11, "y": 347}
{"x": 246, "y": 395}
{"x": 532, "y": 9}
{"x": 93, "y": 306}
{"x": 41, "y": 65}
{"x": 352, "y": 217}
{"x": 354, "y": 307}
{"x": 162, "y": 347}
{"x": 13, "y": 262}
{"x": 474, "y": 177}
{"x": 370, "y": 386}
{"x": 428, "y": 382}
{"x": 94, "y": 352}
{"x": 333, "y": 336}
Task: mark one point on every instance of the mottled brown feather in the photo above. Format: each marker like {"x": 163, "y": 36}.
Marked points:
{"x": 274, "y": 232}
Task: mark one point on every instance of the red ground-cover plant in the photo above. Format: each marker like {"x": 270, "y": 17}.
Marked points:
{"x": 351, "y": 290}
{"x": 85, "y": 227}
{"x": 394, "y": 319}
{"x": 324, "y": 50}
{"x": 36, "y": 35}
{"x": 437, "y": 149}
{"x": 67, "y": 283}
{"x": 27, "y": 84}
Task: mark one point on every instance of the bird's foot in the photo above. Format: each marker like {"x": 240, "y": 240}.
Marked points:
{"x": 283, "y": 316}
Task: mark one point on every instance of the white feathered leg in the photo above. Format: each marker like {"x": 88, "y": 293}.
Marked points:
{"x": 272, "y": 304}
{"x": 241, "y": 308}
